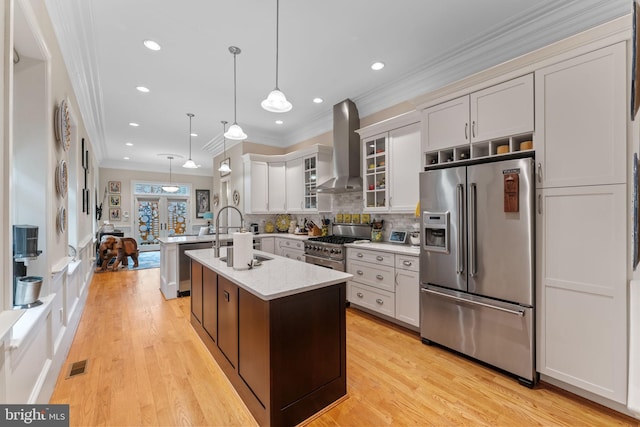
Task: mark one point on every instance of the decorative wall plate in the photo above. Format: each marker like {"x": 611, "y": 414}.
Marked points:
{"x": 236, "y": 197}
{"x": 62, "y": 219}
{"x": 62, "y": 177}
{"x": 282, "y": 222}
{"x": 63, "y": 123}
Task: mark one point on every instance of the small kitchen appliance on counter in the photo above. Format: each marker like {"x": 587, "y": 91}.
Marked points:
{"x": 26, "y": 289}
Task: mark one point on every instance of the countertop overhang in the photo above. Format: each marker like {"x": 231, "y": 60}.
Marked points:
{"x": 275, "y": 278}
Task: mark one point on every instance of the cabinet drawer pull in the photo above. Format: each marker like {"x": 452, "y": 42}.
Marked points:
{"x": 466, "y": 133}
{"x": 407, "y": 263}
{"x": 379, "y": 301}
{"x": 226, "y": 295}
{"x": 379, "y": 276}
{"x": 360, "y": 272}
{"x": 539, "y": 173}
{"x": 473, "y": 128}
{"x": 359, "y": 255}
{"x": 359, "y": 294}
{"x": 379, "y": 258}
{"x": 540, "y": 204}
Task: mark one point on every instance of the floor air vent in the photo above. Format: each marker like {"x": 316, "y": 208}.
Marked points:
{"x": 77, "y": 368}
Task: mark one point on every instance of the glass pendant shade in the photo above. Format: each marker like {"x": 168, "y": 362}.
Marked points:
{"x": 276, "y": 102}
{"x": 170, "y": 188}
{"x": 190, "y": 164}
{"x": 235, "y": 132}
{"x": 224, "y": 168}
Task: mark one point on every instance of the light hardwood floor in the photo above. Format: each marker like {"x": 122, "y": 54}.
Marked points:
{"x": 146, "y": 366}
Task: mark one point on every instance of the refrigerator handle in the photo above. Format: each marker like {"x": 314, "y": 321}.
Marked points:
{"x": 460, "y": 213}
{"x": 519, "y": 313}
{"x": 473, "y": 267}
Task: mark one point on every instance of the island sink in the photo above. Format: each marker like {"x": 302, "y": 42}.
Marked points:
{"x": 258, "y": 258}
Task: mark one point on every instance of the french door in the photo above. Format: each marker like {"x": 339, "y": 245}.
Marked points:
{"x": 159, "y": 217}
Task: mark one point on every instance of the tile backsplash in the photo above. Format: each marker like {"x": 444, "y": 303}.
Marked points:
{"x": 344, "y": 203}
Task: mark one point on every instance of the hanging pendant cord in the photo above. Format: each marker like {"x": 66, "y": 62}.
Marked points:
{"x": 277, "y": 33}
{"x": 235, "y": 100}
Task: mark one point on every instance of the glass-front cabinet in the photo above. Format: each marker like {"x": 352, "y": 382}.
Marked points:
{"x": 375, "y": 173}
{"x": 310, "y": 183}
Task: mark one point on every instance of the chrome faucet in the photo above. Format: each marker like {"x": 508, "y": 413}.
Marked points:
{"x": 216, "y": 248}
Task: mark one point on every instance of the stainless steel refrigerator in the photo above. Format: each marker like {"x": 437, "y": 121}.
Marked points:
{"x": 477, "y": 262}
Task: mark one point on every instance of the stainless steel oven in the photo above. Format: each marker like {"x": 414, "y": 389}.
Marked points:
{"x": 329, "y": 251}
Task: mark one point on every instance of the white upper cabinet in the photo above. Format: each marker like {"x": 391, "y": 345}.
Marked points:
{"x": 295, "y": 185}
{"x": 581, "y": 113}
{"x": 502, "y": 110}
{"x": 498, "y": 111}
{"x": 391, "y": 164}
{"x": 277, "y": 187}
{"x": 287, "y": 183}
{"x": 256, "y": 186}
{"x": 446, "y": 125}
{"x": 404, "y": 168}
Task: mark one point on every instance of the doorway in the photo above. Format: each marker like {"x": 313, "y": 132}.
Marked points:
{"x": 159, "y": 217}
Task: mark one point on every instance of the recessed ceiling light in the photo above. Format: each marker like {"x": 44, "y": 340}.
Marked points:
{"x": 129, "y": 144}
{"x": 377, "y": 66}
{"x": 194, "y": 134}
{"x": 318, "y": 100}
{"x": 279, "y": 122}
{"x": 134, "y": 124}
{"x": 152, "y": 45}
{"x": 126, "y": 158}
{"x": 142, "y": 89}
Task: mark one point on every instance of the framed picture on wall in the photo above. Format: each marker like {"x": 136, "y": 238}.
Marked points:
{"x": 202, "y": 203}
{"x": 227, "y": 162}
{"x": 114, "y": 187}
{"x": 114, "y": 200}
{"x": 114, "y": 214}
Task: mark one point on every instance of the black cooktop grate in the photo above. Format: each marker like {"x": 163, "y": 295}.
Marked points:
{"x": 336, "y": 240}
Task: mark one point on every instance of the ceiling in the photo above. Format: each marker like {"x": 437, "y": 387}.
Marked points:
{"x": 325, "y": 50}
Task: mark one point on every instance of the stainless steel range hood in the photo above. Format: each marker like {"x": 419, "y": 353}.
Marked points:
{"x": 346, "y": 151}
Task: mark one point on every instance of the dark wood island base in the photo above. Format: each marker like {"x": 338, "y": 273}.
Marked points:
{"x": 285, "y": 357}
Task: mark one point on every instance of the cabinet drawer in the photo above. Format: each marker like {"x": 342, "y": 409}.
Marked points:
{"x": 371, "y": 298}
{"x": 293, "y": 254}
{"x": 292, "y": 244}
{"x": 380, "y": 276}
{"x": 406, "y": 262}
{"x": 375, "y": 257}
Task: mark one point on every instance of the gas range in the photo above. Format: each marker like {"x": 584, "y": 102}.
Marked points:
{"x": 329, "y": 251}
{"x": 331, "y": 247}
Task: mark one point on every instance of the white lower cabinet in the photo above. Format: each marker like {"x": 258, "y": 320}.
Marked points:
{"x": 384, "y": 283}
{"x": 289, "y": 248}
{"x": 582, "y": 294}
{"x": 268, "y": 244}
{"x": 407, "y": 289}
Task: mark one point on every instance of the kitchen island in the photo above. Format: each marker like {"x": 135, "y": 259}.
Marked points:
{"x": 277, "y": 331}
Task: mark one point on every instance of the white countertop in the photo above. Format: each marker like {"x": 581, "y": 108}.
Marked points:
{"x": 387, "y": 247}
{"x": 193, "y": 239}
{"x": 285, "y": 235}
{"x": 275, "y": 278}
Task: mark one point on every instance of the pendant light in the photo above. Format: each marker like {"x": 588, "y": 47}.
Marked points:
{"x": 235, "y": 132}
{"x": 224, "y": 167}
{"x": 170, "y": 188}
{"x": 276, "y": 102}
{"x": 189, "y": 164}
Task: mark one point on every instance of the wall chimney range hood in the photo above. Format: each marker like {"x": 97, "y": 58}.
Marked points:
{"x": 346, "y": 151}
